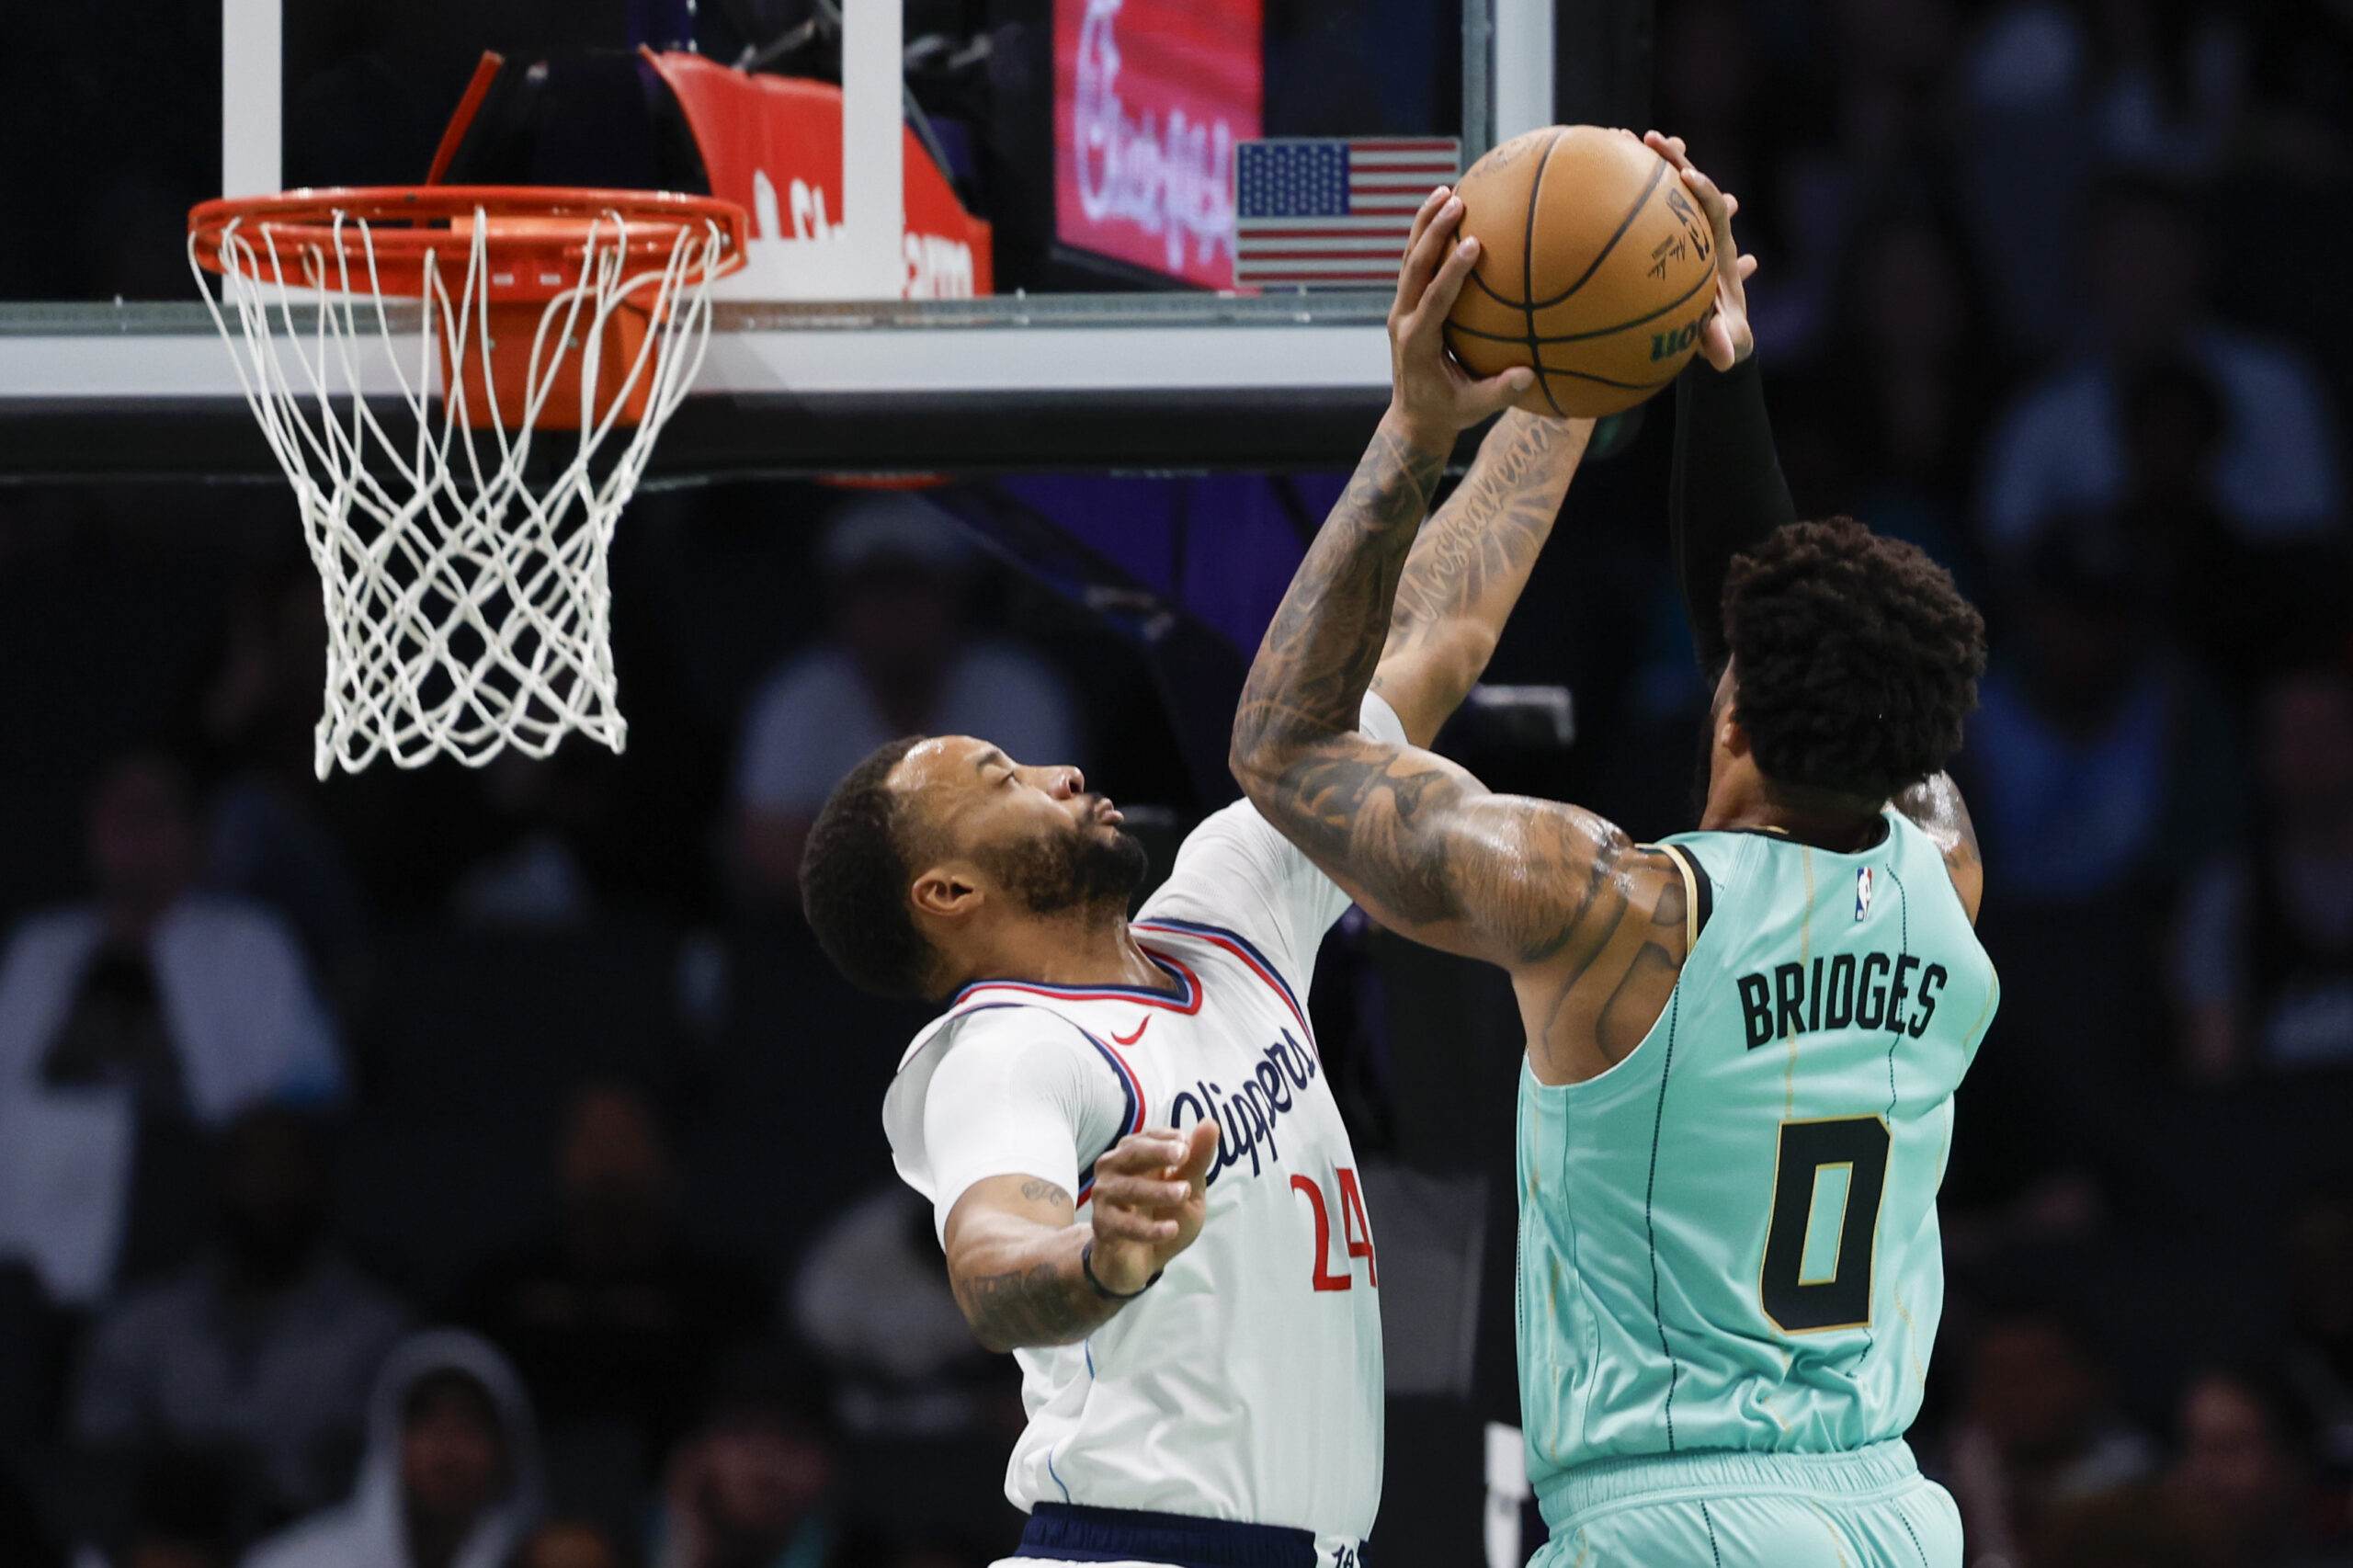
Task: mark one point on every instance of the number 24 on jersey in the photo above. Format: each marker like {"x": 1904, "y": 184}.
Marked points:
{"x": 1355, "y": 1233}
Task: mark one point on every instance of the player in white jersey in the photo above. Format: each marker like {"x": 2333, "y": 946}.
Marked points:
{"x": 1140, "y": 1176}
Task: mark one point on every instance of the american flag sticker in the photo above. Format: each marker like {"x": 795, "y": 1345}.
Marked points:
{"x": 1325, "y": 211}
{"x": 1862, "y": 892}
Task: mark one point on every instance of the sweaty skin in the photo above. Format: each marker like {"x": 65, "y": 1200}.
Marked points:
{"x": 1593, "y": 929}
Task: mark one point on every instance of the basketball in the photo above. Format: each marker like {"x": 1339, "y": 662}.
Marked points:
{"x": 1596, "y": 267}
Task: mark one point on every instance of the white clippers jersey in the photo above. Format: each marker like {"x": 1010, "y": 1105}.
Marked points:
{"x": 1246, "y": 1385}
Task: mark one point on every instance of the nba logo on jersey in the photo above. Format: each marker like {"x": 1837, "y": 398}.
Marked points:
{"x": 1862, "y": 892}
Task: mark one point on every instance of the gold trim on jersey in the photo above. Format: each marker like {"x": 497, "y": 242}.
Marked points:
{"x": 1690, "y": 894}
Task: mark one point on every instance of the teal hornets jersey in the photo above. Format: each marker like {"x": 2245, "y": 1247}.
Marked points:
{"x": 1728, "y": 1241}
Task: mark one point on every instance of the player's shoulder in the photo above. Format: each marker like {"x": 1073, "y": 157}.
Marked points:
{"x": 981, "y": 1019}
{"x": 1718, "y": 859}
{"x": 1017, "y": 1034}
{"x": 1716, "y": 869}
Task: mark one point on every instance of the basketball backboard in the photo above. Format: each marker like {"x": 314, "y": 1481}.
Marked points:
{"x": 1079, "y": 301}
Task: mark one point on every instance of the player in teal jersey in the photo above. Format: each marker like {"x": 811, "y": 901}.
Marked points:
{"x": 1743, "y": 1043}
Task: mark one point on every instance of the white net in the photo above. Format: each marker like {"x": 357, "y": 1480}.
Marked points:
{"x": 460, "y": 545}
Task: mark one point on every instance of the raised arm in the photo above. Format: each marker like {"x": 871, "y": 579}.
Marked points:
{"x": 1419, "y": 841}
{"x": 1727, "y": 493}
{"x": 1470, "y": 563}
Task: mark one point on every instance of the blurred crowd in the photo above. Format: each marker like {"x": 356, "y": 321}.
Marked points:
{"x": 213, "y": 1350}
{"x": 452, "y": 1170}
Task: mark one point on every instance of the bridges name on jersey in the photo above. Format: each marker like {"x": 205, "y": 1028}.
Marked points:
{"x": 1729, "y": 1239}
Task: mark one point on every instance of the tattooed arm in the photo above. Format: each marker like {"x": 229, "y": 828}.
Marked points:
{"x": 1414, "y": 838}
{"x": 1592, "y": 927}
{"x": 1013, "y": 1261}
{"x": 1015, "y": 1248}
{"x": 1469, "y": 563}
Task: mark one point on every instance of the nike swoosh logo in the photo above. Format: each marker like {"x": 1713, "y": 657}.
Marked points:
{"x": 1132, "y": 1038}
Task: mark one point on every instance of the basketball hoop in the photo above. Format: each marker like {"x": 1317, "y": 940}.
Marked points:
{"x": 439, "y": 370}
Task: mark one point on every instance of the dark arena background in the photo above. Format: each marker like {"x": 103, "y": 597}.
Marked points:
{"x": 295, "y": 1076}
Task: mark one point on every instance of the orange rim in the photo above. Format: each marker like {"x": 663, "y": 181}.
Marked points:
{"x": 381, "y": 239}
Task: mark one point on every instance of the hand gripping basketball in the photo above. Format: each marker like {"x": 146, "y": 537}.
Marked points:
{"x": 1432, "y": 398}
{"x": 1150, "y": 1196}
{"x": 1726, "y": 340}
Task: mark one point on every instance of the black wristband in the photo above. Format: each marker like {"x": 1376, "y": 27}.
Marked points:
{"x": 1086, "y": 1266}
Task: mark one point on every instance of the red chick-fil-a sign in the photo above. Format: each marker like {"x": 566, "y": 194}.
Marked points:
{"x": 1150, "y": 97}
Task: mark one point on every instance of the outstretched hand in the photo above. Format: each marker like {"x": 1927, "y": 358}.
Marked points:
{"x": 1726, "y": 340}
{"x": 1432, "y": 398}
{"x": 1150, "y": 1196}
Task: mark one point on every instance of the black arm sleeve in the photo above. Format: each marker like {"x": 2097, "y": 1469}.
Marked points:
{"x": 1727, "y": 491}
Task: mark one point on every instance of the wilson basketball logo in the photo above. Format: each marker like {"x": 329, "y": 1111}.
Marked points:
{"x": 1676, "y": 342}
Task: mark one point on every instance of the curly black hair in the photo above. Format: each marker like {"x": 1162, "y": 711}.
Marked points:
{"x": 1856, "y": 658}
{"x": 854, "y": 875}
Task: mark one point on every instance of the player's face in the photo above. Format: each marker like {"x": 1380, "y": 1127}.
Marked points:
{"x": 1033, "y": 832}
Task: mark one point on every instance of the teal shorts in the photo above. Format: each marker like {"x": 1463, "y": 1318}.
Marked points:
{"x": 1868, "y": 1509}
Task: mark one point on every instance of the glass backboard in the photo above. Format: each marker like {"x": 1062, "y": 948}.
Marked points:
{"x": 1124, "y": 234}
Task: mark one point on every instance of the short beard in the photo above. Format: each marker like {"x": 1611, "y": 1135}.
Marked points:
{"x": 1074, "y": 872}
